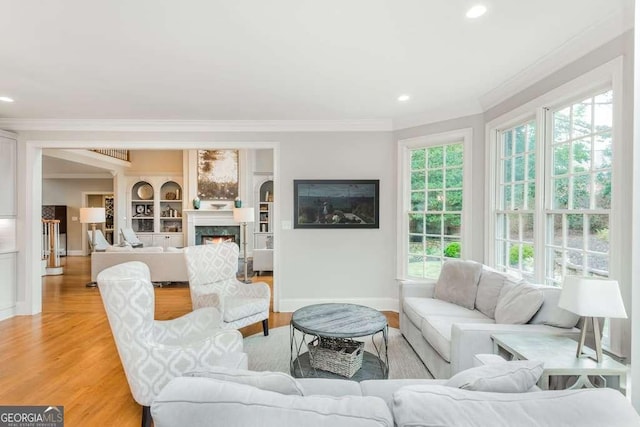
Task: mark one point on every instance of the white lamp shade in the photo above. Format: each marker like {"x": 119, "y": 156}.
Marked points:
{"x": 591, "y": 297}
{"x": 243, "y": 215}
{"x": 92, "y": 215}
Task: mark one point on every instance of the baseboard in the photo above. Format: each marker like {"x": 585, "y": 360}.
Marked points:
{"x": 383, "y": 304}
{"x": 76, "y": 253}
{"x": 6, "y": 313}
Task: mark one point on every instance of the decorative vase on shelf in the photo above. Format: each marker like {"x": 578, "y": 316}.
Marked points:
{"x": 237, "y": 203}
{"x": 196, "y": 203}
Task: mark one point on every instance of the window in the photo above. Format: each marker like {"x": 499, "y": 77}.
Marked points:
{"x": 433, "y": 200}
{"x": 568, "y": 234}
{"x": 516, "y": 199}
{"x": 579, "y": 205}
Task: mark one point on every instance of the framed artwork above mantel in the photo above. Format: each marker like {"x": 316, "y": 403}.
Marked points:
{"x": 217, "y": 174}
{"x": 346, "y": 203}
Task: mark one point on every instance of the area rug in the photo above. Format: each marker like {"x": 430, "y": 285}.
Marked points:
{"x": 272, "y": 354}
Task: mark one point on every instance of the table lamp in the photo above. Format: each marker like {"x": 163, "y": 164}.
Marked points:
{"x": 92, "y": 216}
{"x": 244, "y": 216}
{"x": 590, "y": 298}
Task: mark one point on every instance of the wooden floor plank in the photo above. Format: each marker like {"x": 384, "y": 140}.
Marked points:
{"x": 66, "y": 355}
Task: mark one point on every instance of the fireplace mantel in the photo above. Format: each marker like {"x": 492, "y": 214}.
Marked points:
{"x": 206, "y": 217}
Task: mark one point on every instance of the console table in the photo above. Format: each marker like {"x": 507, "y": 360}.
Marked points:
{"x": 559, "y": 356}
{"x": 336, "y": 320}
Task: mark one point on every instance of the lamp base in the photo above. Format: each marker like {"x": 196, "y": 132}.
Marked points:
{"x": 596, "y": 336}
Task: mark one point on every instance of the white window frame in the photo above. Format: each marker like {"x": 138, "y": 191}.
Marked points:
{"x": 404, "y": 191}
{"x": 609, "y": 75}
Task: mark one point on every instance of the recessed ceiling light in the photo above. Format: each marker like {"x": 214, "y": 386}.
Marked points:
{"x": 404, "y": 98}
{"x": 5, "y": 99}
{"x": 476, "y": 11}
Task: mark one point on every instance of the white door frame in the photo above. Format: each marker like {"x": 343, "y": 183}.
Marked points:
{"x": 30, "y": 202}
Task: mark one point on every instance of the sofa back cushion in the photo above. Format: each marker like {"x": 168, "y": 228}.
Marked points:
{"x": 446, "y": 406}
{"x": 550, "y": 314}
{"x": 278, "y": 382}
{"x": 458, "y": 282}
{"x": 205, "y": 401}
{"x": 518, "y": 303}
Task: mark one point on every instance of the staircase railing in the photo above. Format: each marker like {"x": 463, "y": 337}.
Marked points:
{"x": 116, "y": 154}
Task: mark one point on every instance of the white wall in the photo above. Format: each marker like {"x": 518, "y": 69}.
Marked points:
{"x": 69, "y": 192}
{"x": 329, "y": 265}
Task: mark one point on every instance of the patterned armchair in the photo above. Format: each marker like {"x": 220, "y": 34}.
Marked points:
{"x": 213, "y": 283}
{"x": 153, "y": 352}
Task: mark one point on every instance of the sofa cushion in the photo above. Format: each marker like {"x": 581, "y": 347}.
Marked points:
{"x": 149, "y": 250}
{"x": 278, "y": 382}
{"x": 437, "y": 331}
{"x": 458, "y": 282}
{"x": 236, "y": 308}
{"x": 384, "y": 389}
{"x": 126, "y": 248}
{"x": 506, "y": 377}
{"x": 518, "y": 303}
{"x": 489, "y": 287}
{"x": 417, "y": 308}
{"x": 550, "y": 314}
{"x": 188, "y": 401}
{"x": 329, "y": 387}
{"x": 446, "y": 406}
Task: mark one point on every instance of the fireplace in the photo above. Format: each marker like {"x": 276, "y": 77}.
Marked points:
{"x": 217, "y": 234}
{"x": 217, "y": 238}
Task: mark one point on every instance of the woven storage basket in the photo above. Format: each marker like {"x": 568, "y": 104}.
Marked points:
{"x": 337, "y": 355}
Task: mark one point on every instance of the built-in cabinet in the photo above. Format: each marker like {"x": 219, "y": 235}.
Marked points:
{"x": 8, "y": 240}
{"x": 155, "y": 210}
{"x": 263, "y": 232}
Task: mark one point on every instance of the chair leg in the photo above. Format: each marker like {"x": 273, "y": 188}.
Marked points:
{"x": 146, "y": 416}
{"x": 265, "y": 327}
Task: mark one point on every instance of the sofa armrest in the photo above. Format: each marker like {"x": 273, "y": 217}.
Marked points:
{"x": 469, "y": 339}
{"x": 410, "y": 288}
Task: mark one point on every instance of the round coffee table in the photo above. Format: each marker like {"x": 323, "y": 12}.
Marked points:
{"x": 336, "y": 320}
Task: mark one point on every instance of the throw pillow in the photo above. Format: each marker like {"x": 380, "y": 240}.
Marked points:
{"x": 489, "y": 287}
{"x": 458, "y": 282}
{"x": 552, "y": 315}
{"x": 271, "y": 381}
{"x": 507, "y": 377}
{"x": 518, "y": 303}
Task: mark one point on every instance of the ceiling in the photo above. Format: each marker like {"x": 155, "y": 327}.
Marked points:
{"x": 277, "y": 60}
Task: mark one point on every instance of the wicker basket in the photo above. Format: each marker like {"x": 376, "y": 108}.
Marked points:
{"x": 337, "y": 355}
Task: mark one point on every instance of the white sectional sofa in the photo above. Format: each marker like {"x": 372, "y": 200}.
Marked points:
{"x": 244, "y": 398}
{"x": 165, "y": 265}
{"x": 446, "y": 335}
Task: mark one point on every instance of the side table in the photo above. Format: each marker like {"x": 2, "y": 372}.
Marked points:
{"x": 559, "y": 356}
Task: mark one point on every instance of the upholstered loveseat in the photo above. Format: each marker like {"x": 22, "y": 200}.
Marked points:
{"x": 446, "y": 335}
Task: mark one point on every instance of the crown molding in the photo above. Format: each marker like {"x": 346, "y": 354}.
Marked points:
{"x": 440, "y": 115}
{"x": 125, "y": 125}
{"x": 573, "y": 49}
{"x": 77, "y": 176}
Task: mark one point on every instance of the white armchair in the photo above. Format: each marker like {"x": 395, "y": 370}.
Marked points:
{"x": 153, "y": 352}
{"x": 129, "y": 236}
{"x": 213, "y": 283}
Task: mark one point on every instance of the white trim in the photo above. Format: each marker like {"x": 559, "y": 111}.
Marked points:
{"x": 403, "y": 180}
{"x": 126, "y": 125}
{"x": 383, "y": 304}
{"x": 437, "y": 115}
{"x": 576, "y": 47}
{"x": 77, "y": 176}
{"x": 9, "y": 135}
{"x": 6, "y": 313}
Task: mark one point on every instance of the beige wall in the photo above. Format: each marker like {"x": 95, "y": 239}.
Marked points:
{"x": 69, "y": 192}
{"x": 150, "y": 161}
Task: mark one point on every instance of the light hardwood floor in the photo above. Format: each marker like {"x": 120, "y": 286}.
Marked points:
{"x": 66, "y": 355}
